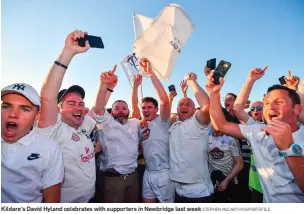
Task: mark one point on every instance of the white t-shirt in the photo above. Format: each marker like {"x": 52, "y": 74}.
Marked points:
{"x": 188, "y": 144}
{"x": 28, "y": 166}
{"x": 276, "y": 178}
{"x": 78, "y": 157}
{"x": 119, "y": 143}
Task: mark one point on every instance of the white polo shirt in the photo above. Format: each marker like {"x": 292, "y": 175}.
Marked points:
{"x": 276, "y": 178}
{"x": 119, "y": 143}
{"x": 188, "y": 143}
{"x": 78, "y": 158}
{"x": 28, "y": 166}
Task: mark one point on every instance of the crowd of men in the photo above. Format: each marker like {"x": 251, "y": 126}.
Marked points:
{"x": 53, "y": 149}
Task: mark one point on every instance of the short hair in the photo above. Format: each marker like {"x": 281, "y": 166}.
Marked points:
{"x": 150, "y": 99}
{"x": 232, "y": 94}
{"x": 119, "y": 101}
{"x": 295, "y": 98}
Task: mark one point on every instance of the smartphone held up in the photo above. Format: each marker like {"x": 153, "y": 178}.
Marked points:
{"x": 220, "y": 71}
{"x": 94, "y": 41}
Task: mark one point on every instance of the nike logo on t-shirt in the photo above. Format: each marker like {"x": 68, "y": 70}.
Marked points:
{"x": 33, "y": 156}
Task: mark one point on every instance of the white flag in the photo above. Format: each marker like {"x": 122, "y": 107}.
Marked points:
{"x": 130, "y": 66}
{"x": 164, "y": 39}
{"x": 130, "y": 62}
{"x": 141, "y": 23}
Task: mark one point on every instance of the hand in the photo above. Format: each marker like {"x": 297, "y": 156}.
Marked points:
{"x": 71, "y": 44}
{"x": 280, "y": 132}
{"x": 257, "y": 73}
{"x": 146, "y": 65}
{"x": 207, "y": 70}
{"x": 184, "y": 85}
{"x": 137, "y": 80}
{"x": 292, "y": 82}
{"x": 191, "y": 77}
{"x": 223, "y": 186}
{"x": 211, "y": 87}
{"x": 171, "y": 96}
{"x": 109, "y": 78}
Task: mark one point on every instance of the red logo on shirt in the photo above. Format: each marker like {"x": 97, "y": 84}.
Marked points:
{"x": 75, "y": 137}
{"x": 87, "y": 157}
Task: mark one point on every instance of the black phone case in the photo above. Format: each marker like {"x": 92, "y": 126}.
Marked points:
{"x": 171, "y": 88}
{"x": 94, "y": 41}
{"x": 282, "y": 80}
{"x": 220, "y": 71}
{"x": 211, "y": 63}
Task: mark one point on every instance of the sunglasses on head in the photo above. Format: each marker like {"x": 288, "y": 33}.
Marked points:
{"x": 258, "y": 108}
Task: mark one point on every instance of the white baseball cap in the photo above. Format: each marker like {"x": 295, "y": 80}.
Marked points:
{"x": 24, "y": 89}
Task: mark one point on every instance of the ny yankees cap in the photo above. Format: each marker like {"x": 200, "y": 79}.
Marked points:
{"x": 24, "y": 89}
{"x": 74, "y": 88}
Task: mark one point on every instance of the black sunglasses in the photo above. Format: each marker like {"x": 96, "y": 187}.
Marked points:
{"x": 258, "y": 108}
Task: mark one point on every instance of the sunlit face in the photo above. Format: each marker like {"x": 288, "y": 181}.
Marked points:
{"x": 72, "y": 110}
{"x": 149, "y": 111}
{"x": 120, "y": 112}
{"x": 256, "y": 110}
{"x": 185, "y": 108}
{"x": 229, "y": 102}
{"x": 18, "y": 115}
{"x": 278, "y": 105}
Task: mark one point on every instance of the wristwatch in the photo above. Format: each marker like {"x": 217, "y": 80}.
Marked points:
{"x": 293, "y": 150}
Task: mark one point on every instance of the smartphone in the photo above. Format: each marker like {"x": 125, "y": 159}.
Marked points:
{"x": 211, "y": 63}
{"x": 220, "y": 71}
{"x": 94, "y": 41}
{"x": 282, "y": 80}
{"x": 171, "y": 88}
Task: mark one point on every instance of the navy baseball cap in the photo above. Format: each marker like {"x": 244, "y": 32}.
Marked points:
{"x": 74, "y": 88}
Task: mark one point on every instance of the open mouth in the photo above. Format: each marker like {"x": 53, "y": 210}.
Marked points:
{"x": 11, "y": 128}
{"x": 272, "y": 116}
{"x": 77, "y": 116}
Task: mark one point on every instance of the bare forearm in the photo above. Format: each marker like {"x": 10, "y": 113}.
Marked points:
{"x": 200, "y": 95}
{"x": 135, "y": 110}
{"x": 243, "y": 96}
{"x": 53, "y": 80}
{"x": 160, "y": 91}
{"x": 296, "y": 166}
{"x": 101, "y": 100}
{"x": 216, "y": 114}
{"x": 185, "y": 93}
{"x": 235, "y": 171}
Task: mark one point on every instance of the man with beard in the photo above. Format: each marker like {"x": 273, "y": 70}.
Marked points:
{"x": 31, "y": 164}
{"x": 188, "y": 144}
{"x": 256, "y": 110}
{"x": 119, "y": 138}
{"x": 155, "y": 142}
{"x": 64, "y": 119}
{"x": 277, "y": 147}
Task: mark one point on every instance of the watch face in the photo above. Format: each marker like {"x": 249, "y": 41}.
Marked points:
{"x": 297, "y": 149}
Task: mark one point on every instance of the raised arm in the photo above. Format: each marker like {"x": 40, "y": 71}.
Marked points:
{"x": 53, "y": 80}
{"x": 164, "y": 104}
{"x": 108, "y": 81}
{"x": 202, "y": 99}
{"x": 136, "y": 83}
{"x": 240, "y": 102}
{"x": 292, "y": 82}
{"x": 218, "y": 119}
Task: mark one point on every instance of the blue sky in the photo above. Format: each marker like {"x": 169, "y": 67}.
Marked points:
{"x": 246, "y": 33}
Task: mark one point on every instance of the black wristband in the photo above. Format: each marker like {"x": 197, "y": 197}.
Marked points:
{"x": 62, "y": 65}
{"x": 110, "y": 90}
